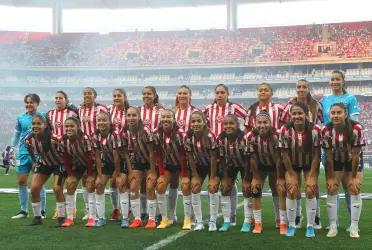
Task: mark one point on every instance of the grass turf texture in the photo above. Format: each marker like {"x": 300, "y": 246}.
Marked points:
{"x": 16, "y": 235}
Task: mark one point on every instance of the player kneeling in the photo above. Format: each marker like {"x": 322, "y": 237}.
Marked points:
{"x": 41, "y": 142}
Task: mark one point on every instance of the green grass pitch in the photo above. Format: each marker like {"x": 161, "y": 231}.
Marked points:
{"x": 14, "y": 234}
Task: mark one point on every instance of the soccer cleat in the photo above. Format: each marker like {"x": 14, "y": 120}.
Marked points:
{"x": 136, "y": 223}
{"x": 257, "y": 228}
{"x": 317, "y": 223}
{"x": 186, "y": 225}
{"x": 277, "y": 223}
{"x": 348, "y": 229}
{"x": 225, "y": 227}
{"x": 74, "y": 213}
{"x": 212, "y": 226}
{"x": 90, "y": 222}
{"x": 291, "y": 231}
{"x": 332, "y": 232}
{"x": 246, "y": 227}
{"x": 86, "y": 214}
{"x": 299, "y": 221}
{"x": 55, "y": 216}
{"x": 68, "y": 223}
{"x": 283, "y": 229}
{"x": 43, "y": 214}
{"x": 60, "y": 221}
{"x": 150, "y": 224}
{"x": 100, "y": 223}
{"x": 193, "y": 221}
{"x": 354, "y": 233}
{"x": 36, "y": 221}
{"x": 7, "y": 174}
{"x": 310, "y": 232}
{"x": 199, "y": 226}
{"x": 158, "y": 219}
{"x": 124, "y": 223}
{"x": 163, "y": 224}
{"x": 233, "y": 220}
{"x": 144, "y": 218}
{"x": 115, "y": 214}
{"x": 20, "y": 215}
{"x": 172, "y": 220}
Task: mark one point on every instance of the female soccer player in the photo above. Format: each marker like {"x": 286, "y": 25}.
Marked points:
{"x": 262, "y": 145}
{"x": 76, "y": 149}
{"x": 140, "y": 139}
{"x": 88, "y": 113}
{"x": 232, "y": 148}
{"x": 170, "y": 150}
{"x": 315, "y": 117}
{"x": 105, "y": 141}
{"x": 201, "y": 150}
{"x": 276, "y": 111}
{"x": 50, "y": 161}
{"x": 300, "y": 145}
{"x": 22, "y": 129}
{"x": 340, "y": 94}
{"x": 56, "y": 118}
{"x": 150, "y": 114}
{"x": 117, "y": 111}
{"x": 342, "y": 142}
{"x": 215, "y": 113}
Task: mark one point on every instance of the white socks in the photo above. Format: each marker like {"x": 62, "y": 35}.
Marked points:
{"x": 124, "y": 204}
{"x": 92, "y": 205}
{"x": 234, "y": 200}
{"x": 317, "y": 207}
{"x": 143, "y": 199}
{"x": 299, "y": 208}
{"x": 196, "y": 204}
{"x": 226, "y": 208}
{"x": 311, "y": 211}
{"x": 356, "y": 209}
{"x": 36, "y": 208}
{"x": 86, "y": 199}
{"x": 257, "y": 216}
{"x": 291, "y": 206}
{"x": 100, "y": 204}
{"x": 61, "y": 207}
{"x": 162, "y": 204}
{"x": 70, "y": 205}
{"x": 187, "y": 206}
{"x": 173, "y": 197}
{"x": 114, "y": 194}
{"x": 151, "y": 209}
{"x": 213, "y": 206}
{"x": 248, "y": 211}
{"x": 283, "y": 217}
{"x": 276, "y": 207}
{"x": 136, "y": 210}
{"x": 332, "y": 210}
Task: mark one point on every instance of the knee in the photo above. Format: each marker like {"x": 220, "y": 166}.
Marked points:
{"x": 134, "y": 187}
{"x": 161, "y": 187}
{"x": 196, "y": 189}
{"x": 185, "y": 187}
{"x": 150, "y": 184}
{"x": 35, "y": 189}
{"x": 226, "y": 189}
{"x": 58, "y": 189}
{"x": 310, "y": 191}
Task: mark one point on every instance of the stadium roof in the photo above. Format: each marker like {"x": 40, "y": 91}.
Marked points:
{"x": 125, "y": 4}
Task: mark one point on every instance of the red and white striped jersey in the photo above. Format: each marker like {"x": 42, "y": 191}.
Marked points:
{"x": 183, "y": 117}
{"x": 295, "y": 143}
{"x": 106, "y": 144}
{"x": 88, "y": 117}
{"x": 51, "y": 158}
{"x": 57, "y": 119}
{"x": 117, "y": 117}
{"x": 316, "y": 120}
{"x": 215, "y": 115}
{"x": 338, "y": 142}
{"x": 200, "y": 151}
{"x": 139, "y": 144}
{"x": 275, "y": 110}
{"x": 171, "y": 148}
{"x": 150, "y": 117}
{"x": 234, "y": 152}
{"x": 263, "y": 148}
{"x": 76, "y": 149}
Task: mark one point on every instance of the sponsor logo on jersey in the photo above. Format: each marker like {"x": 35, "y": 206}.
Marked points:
{"x": 219, "y": 119}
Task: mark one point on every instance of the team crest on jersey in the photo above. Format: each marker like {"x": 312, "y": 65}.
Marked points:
{"x": 117, "y": 120}
{"x": 58, "y": 124}
{"x": 86, "y": 118}
{"x": 219, "y": 119}
{"x": 147, "y": 122}
{"x": 181, "y": 123}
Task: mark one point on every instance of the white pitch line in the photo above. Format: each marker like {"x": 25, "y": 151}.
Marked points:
{"x": 176, "y": 236}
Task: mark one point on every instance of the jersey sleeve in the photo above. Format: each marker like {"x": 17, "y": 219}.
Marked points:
{"x": 239, "y": 111}
{"x": 316, "y": 137}
{"x": 221, "y": 150}
{"x": 18, "y": 126}
{"x": 319, "y": 116}
{"x": 212, "y": 141}
{"x": 249, "y": 119}
{"x": 156, "y": 137}
{"x": 188, "y": 144}
{"x": 118, "y": 139}
{"x": 87, "y": 144}
{"x": 286, "y": 115}
{"x": 358, "y": 137}
{"x": 283, "y": 138}
{"x": 95, "y": 141}
{"x": 180, "y": 135}
{"x": 353, "y": 106}
{"x": 250, "y": 141}
{"x": 326, "y": 138}
{"x": 281, "y": 113}
{"x": 147, "y": 135}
